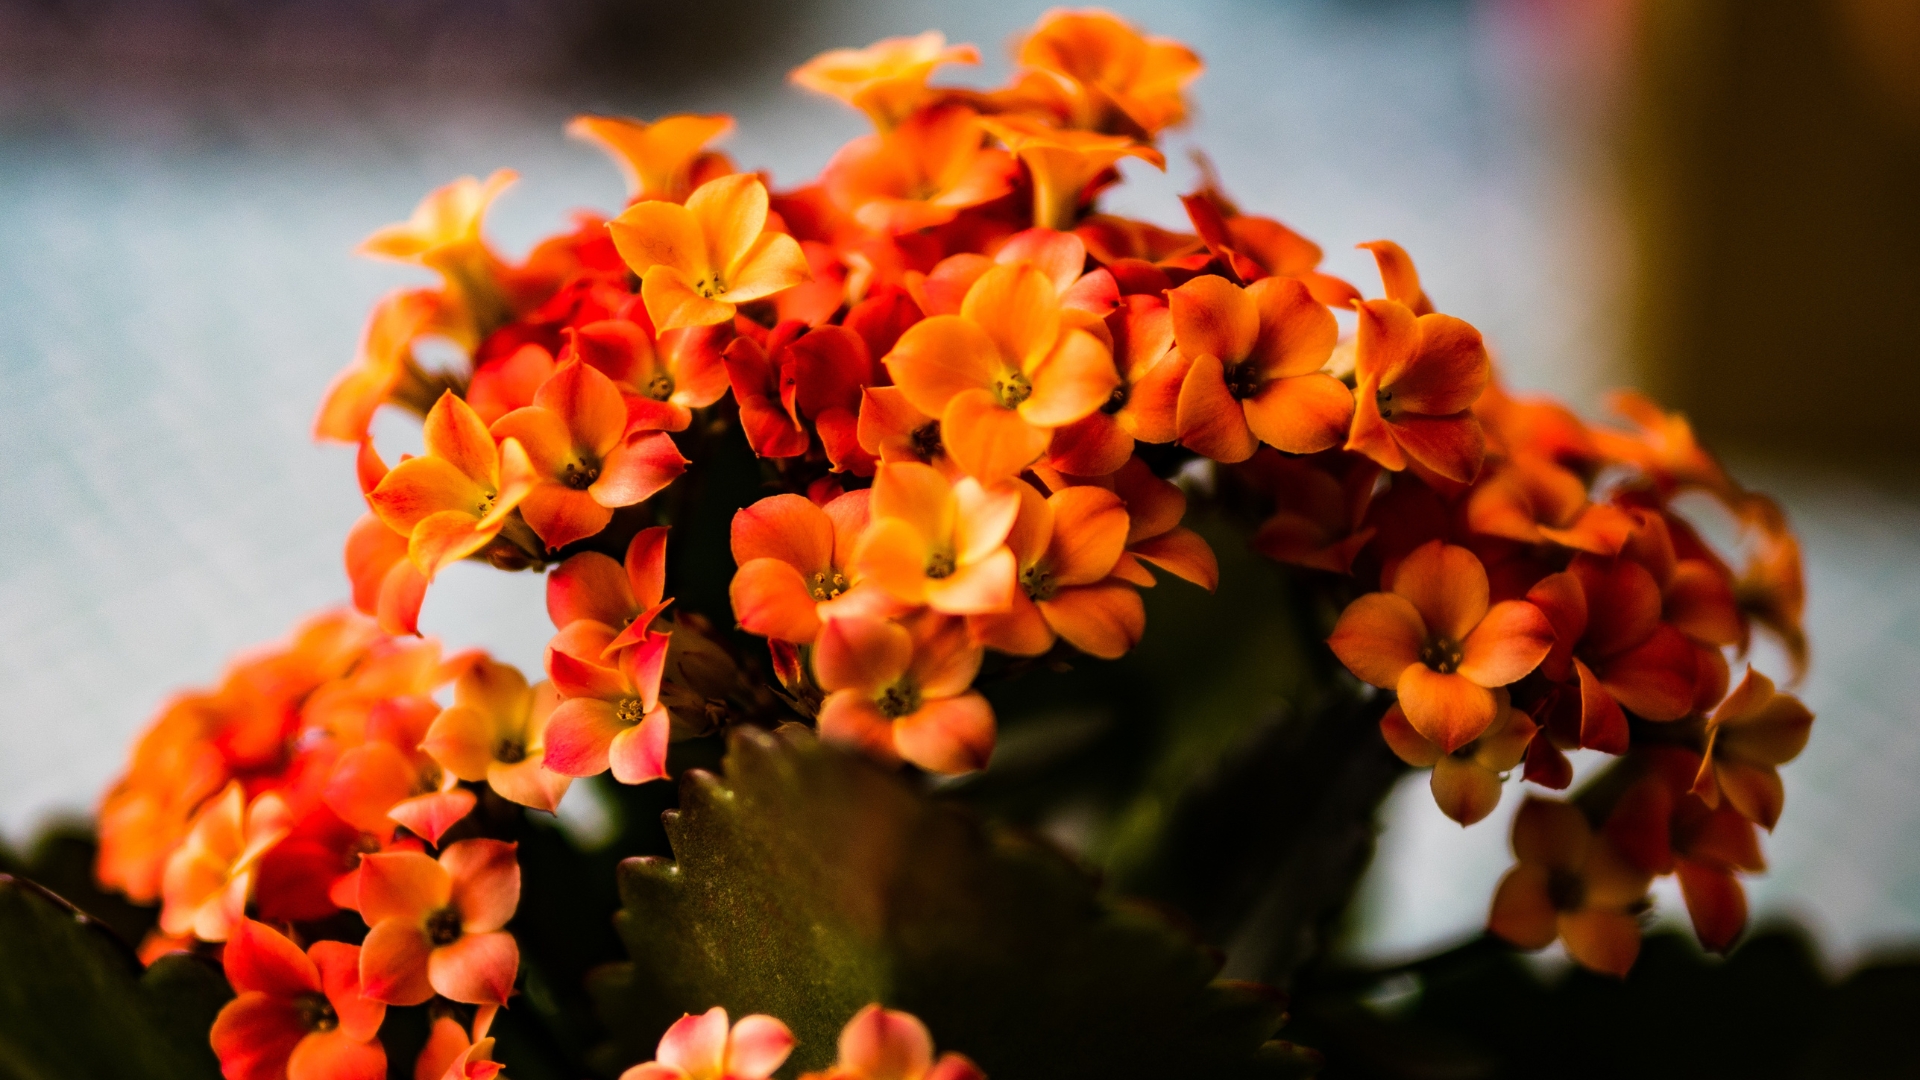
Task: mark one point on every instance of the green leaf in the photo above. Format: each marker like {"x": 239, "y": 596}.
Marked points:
{"x": 75, "y": 1005}
{"x": 809, "y": 882}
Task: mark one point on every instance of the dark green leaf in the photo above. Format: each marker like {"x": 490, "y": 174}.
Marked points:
{"x": 810, "y": 882}
{"x": 75, "y": 1005}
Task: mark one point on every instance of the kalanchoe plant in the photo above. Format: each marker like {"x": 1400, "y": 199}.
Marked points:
{"x": 825, "y": 482}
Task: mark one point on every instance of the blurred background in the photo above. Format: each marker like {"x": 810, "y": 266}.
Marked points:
{"x": 1712, "y": 199}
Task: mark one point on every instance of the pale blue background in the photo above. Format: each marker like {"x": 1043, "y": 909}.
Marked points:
{"x": 176, "y": 288}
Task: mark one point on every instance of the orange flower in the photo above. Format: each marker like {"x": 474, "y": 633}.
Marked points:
{"x": 1535, "y": 501}
{"x": 892, "y": 430}
{"x": 663, "y": 160}
{"x": 1004, "y": 373}
{"x": 1253, "y": 247}
{"x": 386, "y": 584}
{"x": 1319, "y": 508}
{"x": 1772, "y": 587}
{"x": 1466, "y": 783}
{"x": 1663, "y": 447}
{"x": 454, "y": 500}
{"x": 1711, "y": 848}
{"x": 1434, "y": 640}
{"x": 209, "y": 877}
{"x": 920, "y": 174}
{"x": 704, "y": 1048}
{"x": 1255, "y": 357}
{"x": 1065, "y": 546}
{"x": 937, "y": 542}
{"x": 1749, "y": 736}
{"x": 444, "y": 235}
{"x": 589, "y": 459}
{"x": 667, "y": 376}
{"x": 766, "y": 391}
{"x": 495, "y": 730}
{"x": 506, "y": 383}
{"x": 902, "y": 692}
{"x": 885, "y": 1044}
{"x": 621, "y": 598}
{"x": 1062, "y": 162}
{"x": 1143, "y": 407}
{"x": 793, "y": 557}
{"x": 1099, "y": 73}
{"x": 698, "y": 261}
{"x": 436, "y": 925}
{"x": 297, "y": 1016}
{"x": 1417, "y": 377}
{"x": 451, "y": 1054}
{"x": 1572, "y": 885}
{"x": 384, "y": 363}
{"x": 887, "y": 80}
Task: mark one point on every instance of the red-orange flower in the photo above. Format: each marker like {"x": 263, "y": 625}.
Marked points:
{"x": 902, "y": 692}
{"x": 1066, "y": 545}
{"x": 436, "y": 925}
{"x": 1062, "y": 162}
{"x": 388, "y": 780}
{"x": 664, "y": 377}
{"x": 698, "y": 261}
{"x": 1004, "y": 373}
{"x": 920, "y": 174}
{"x": 1434, "y": 640}
{"x": 1417, "y": 377}
{"x": 297, "y": 1016}
{"x": 384, "y": 362}
{"x": 1319, "y": 508}
{"x": 1749, "y": 736}
{"x": 664, "y": 160}
{"x": 1255, "y": 356}
{"x": 1143, "y": 407}
{"x": 886, "y": 1044}
{"x": 793, "y": 556}
{"x": 939, "y": 543}
{"x": 1570, "y": 884}
{"x": 455, "y": 499}
{"x": 1534, "y": 501}
{"x": 588, "y": 459}
{"x": 887, "y": 80}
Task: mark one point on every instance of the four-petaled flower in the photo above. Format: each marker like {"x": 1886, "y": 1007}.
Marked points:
{"x": 436, "y": 926}
{"x": 703, "y": 1047}
{"x": 296, "y": 1016}
{"x": 697, "y": 262}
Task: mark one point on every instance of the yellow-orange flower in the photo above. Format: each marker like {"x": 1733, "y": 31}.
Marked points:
{"x": 1255, "y": 356}
{"x": 666, "y": 159}
{"x": 454, "y": 500}
{"x": 793, "y": 558}
{"x": 384, "y": 365}
{"x": 444, "y": 235}
{"x": 698, "y": 261}
{"x": 1098, "y": 72}
{"x": 1434, "y": 639}
{"x": 495, "y": 730}
{"x": 1063, "y": 161}
{"x": 209, "y": 877}
{"x": 938, "y": 542}
{"x": 887, "y": 80}
{"x": 920, "y": 174}
{"x": 1004, "y": 373}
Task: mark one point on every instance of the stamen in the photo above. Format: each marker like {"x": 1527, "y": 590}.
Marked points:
{"x": 443, "y": 926}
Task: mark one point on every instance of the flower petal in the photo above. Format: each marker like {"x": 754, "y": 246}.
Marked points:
{"x": 477, "y": 969}
{"x": 1507, "y": 645}
{"x": 486, "y": 883}
{"x": 697, "y": 1044}
{"x": 771, "y": 599}
{"x": 258, "y": 957}
{"x": 1075, "y": 379}
{"x": 1463, "y": 790}
{"x": 580, "y": 735}
{"x": 990, "y": 442}
{"x": 1603, "y": 941}
{"x": 758, "y": 1045}
{"x": 1303, "y": 414}
{"x": 1214, "y": 317}
{"x": 255, "y": 1034}
{"x": 589, "y": 586}
{"x": 1378, "y": 637}
{"x": 881, "y": 1042}
{"x": 975, "y": 588}
{"x": 1447, "y": 585}
{"x": 861, "y": 653}
{"x": 1208, "y": 419}
{"x": 393, "y": 960}
{"x": 1297, "y": 332}
{"x": 339, "y": 965}
{"x": 850, "y": 718}
{"x": 1523, "y": 913}
{"x": 639, "y": 754}
{"x": 404, "y": 885}
{"x": 947, "y": 735}
{"x": 1451, "y": 710}
{"x": 674, "y": 304}
{"x": 638, "y": 468}
{"x": 1104, "y": 620}
{"x": 939, "y": 357}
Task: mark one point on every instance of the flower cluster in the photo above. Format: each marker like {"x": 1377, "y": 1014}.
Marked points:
{"x": 319, "y": 777}
{"x": 980, "y": 405}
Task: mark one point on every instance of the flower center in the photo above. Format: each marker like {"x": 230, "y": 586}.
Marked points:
{"x": 710, "y": 287}
{"x": 926, "y": 440}
{"x": 660, "y": 387}
{"x": 1243, "y": 381}
{"x": 629, "y": 711}
{"x": 940, "y": 565}
{"x": 510, "y": 751}
{"x": 826, "y": 584}
{"x": 316, "y": 1012}
{"x": 486, "y": 503}
{"x": 1566, "y": 890}
{"x": 1116, "y": 400}
{"x": 443, "y": 926}
{"x": 1383, "y": 398}
{"x": 900, "y": 699}
{"x": 1038, "y": 581}
{"x": 579, "y": 476}
{"x": 1441, "y": 655}
{"x": 1012, "y": 388}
